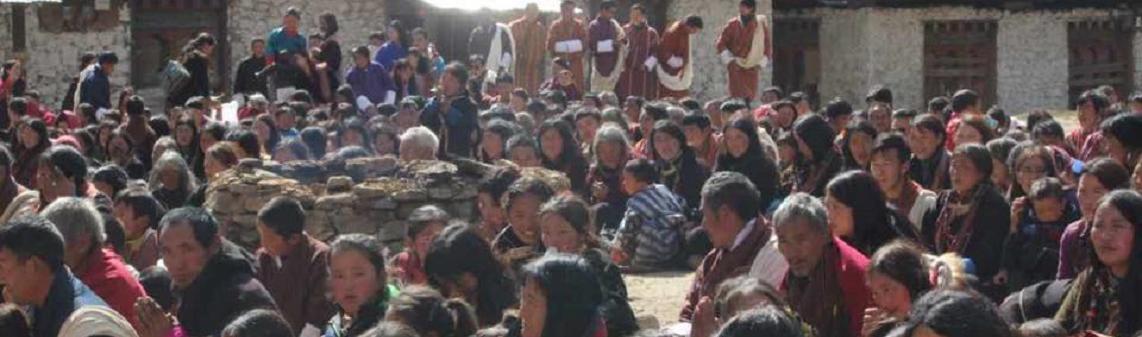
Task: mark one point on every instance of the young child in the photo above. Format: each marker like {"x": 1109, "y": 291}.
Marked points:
{"x": 424, "y": 224}
{"x": 139, "y": 213}
{"x": 1031, "y": 253}
{"x": 651, "y": 233}
{"x": 520, "y": 241}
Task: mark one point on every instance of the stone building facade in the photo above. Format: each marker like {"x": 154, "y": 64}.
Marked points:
{"x": 852, "y": 48}
{"x": 1034, "y": 60}
{"x": 52, "y": 59}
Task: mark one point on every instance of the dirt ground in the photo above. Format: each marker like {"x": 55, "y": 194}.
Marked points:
{"x": 657, "y": 297}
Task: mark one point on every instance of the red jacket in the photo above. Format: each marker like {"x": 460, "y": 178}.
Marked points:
{"x": 107, "y": 275}
{"x": 851, "y": 272}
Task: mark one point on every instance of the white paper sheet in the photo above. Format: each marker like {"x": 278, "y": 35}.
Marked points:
{"x": 506, "y": 60}
{"x": 283, "y": 94}
{"x": 727, "y": 57}
{"x": 390, "y": 97}
{"x": 605, "y": 46}
{"x": 562, "y": 47}
{"x": 573, "y": 46}
{"x": 99, "y": 114}
{"x": 363, "y": 103}
{"x": 230, "y": 113}
{"x": 650, "y": 63}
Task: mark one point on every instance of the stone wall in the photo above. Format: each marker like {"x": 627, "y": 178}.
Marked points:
{"x": 248, "y": 19}
{"x": 710, "y": 73}
{"x": 368, "y": 195}
{"x": 1137, "y": 61}
{"x": 861, "y": 48}
{"x": 5, "y": 32}
{"x": 52, "y": 59}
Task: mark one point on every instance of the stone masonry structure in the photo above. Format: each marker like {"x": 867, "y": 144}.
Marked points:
{"x": 367, "y": 195}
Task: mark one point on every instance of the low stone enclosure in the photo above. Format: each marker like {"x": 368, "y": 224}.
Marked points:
{"x": 366, "y": 195}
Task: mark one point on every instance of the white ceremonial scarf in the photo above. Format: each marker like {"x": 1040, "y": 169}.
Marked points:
{"x": 756, "y": 55}
{"x": 600, "y": 83}
{"x": 684, "y": 78}
{"x": 496, "y": 54}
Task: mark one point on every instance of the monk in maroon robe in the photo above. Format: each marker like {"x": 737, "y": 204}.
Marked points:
{"x": 737, "y": 39}
{"x": 641, "y": 41}
{"x": 674, "y": 55}
{"x": 567, "y": 38}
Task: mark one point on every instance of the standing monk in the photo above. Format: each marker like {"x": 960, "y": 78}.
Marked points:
{"x": 567, "y": 38}
{"x": 638, "y": 77}
{"x": 744, "y": 47}
{"x": 604, "y": 39}
{"x": 675, "y": 73}
{"x": 530, "y": 36}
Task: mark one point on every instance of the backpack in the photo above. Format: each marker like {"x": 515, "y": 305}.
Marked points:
{"x": 174, "y": 77}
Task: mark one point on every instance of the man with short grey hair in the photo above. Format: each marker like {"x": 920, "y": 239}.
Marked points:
{"x": 101, "y": 269}
{"x": 825, "y": 283}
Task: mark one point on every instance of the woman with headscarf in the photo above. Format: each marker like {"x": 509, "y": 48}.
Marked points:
{"x": 678, "y": 167}
{"x": 743, "y": 154}
{"x": 972, "y": 219}
{"x": 560, "y": 152}
{"x": 817, "y": 158}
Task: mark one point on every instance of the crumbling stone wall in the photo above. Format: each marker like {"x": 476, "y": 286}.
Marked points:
{"x": 368, "y": 195}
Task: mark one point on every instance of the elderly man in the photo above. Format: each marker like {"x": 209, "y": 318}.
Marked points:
{"x": 825, "y": 284}
{"x": 99, "y": 268}
{"x": 33, "y": 271}
{"x": 730, "y": 207}
{"x": 213, "y": 277}
{"x": 418, "y": 143}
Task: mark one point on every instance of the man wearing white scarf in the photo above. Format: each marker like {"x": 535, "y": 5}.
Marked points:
{"x": 674, "y": 60}
{"x": 604, "y": 36}
{"x": 745, "y": 47}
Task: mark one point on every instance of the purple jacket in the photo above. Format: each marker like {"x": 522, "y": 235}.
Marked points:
{"x": 372, "y": 82}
